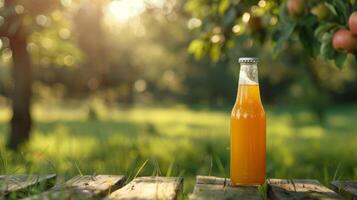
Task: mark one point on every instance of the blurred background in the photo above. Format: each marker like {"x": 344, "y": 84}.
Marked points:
{"x": 124, "y": 87}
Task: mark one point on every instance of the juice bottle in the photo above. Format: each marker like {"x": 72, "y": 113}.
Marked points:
{"x": 248, "y": 129}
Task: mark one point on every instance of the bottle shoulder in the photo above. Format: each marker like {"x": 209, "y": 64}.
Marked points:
{"x": 239, "y": 111}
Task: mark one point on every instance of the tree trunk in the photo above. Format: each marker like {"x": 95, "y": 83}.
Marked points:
{"x": 21, "y": 94}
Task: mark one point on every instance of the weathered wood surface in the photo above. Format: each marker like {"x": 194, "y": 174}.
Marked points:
{"x": 168, "y": 188}
{"x": 20, "y": 185}
{"x": 208, "y": 187}
{"x": 83, "y": 186}
{"x": 283, "y": 189}
{"x": 145, "y": 188}
{"x": 347, "y": 189}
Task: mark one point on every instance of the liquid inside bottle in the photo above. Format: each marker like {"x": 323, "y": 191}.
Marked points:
{"x": 248, "y": 129}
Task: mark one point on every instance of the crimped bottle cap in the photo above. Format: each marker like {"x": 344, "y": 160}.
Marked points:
{"x": 248, "y": 60}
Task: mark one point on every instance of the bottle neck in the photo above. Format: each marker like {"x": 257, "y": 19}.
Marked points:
{"x": 248, "y": 93}
{"x": 248, "y": 74}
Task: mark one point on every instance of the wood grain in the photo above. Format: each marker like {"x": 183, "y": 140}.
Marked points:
{"x": 83, "y": 186}
{"x": 18, "y": 186}
{"x": 209, "y": 187}
{"x": 283, "y": 189}
{"x": 145, "y": 188}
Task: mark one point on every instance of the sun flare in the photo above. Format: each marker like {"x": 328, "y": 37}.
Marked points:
{"x": 123, "y": 10}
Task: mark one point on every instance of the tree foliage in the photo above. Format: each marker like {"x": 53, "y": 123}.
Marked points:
{"x": 281, "y": 23}
{"x": 46, "y": 23}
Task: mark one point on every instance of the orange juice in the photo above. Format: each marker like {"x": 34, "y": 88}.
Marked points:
{"x": 248, "y": 131}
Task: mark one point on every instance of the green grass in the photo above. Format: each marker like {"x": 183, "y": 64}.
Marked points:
{"x": 179, "y": 141}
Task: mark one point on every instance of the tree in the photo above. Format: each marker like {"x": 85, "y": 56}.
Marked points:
{"x": 15, "y": 13}
{"x": 314, "y": 23}
{"x": 21, "y": 94}
{"x": 322, "y": 29}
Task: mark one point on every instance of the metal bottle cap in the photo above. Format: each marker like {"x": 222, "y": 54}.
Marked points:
{"x": 248, "y": 60}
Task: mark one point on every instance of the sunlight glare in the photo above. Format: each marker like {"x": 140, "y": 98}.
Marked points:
{"x": 123, "y": 10}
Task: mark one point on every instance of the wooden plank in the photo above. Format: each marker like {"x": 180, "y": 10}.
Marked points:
{"x": 209, "y": 187}
{"x": 17, "y": 186}
{"x": 145, "y": 188}
{"x": 346, "y": 188}
{"x": 280, "y": 189}
{"x": 83, "y": 186}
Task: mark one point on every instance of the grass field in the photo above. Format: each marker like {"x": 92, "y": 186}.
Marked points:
{"x": 179, "y": 141}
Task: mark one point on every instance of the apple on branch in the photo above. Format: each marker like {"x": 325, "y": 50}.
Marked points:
{"x": 343, "y": 39}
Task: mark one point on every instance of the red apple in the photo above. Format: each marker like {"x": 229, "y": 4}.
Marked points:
{"x": 352, "y": 22}
{"x": 295, "y": 7}
{"x": 343, "y": 39}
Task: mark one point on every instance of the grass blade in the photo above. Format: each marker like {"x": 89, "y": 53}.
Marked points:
{"x": 170, "y": 169}
{"x": 141, "y": 168}
{"x": 78, "y": 169}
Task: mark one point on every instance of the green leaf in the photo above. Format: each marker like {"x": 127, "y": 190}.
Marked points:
{"x": 308, "y": 20}
{"x": 223, "y": 6}
{"x": 326, "y": 49}
{"x": 193, "y": 6}
{"x": 331, "y": 8}
{"x": 340, "y": 59}
{"x": 306, "y": 36}
{"x": 323, "y": 28}
{"x": 197, "y": 48}
{"x": 285, "y": 33}
{"x": 339, "y": 9}
{"x": 326, "y": 37}
{"x": 215, "y": 52}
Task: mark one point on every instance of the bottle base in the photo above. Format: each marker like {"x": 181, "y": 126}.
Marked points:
{"x": 246, "y": 184}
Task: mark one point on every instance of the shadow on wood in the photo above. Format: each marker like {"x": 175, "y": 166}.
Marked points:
{"x": 208, "y": 187}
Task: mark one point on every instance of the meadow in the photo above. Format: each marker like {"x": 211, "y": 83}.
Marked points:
{"x": 178, "y": 140}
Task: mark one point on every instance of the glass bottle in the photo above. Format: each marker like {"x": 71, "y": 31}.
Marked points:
{"x": 248, "y": 129}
